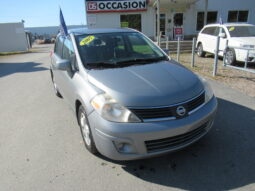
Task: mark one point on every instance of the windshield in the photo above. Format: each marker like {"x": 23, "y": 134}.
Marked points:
{"x": 241, "y": 31}
{"x": 117, "y": 49}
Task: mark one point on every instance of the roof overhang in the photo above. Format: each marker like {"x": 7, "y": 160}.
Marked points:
{"x": 173, "y": 2}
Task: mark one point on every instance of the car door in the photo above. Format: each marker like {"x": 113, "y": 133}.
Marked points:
{"x": 68, "y": 77}
{"x": 209, "y": 39}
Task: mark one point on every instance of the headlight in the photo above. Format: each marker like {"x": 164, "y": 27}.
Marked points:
{"x": 247, "y": 46}
{"x": 111, "y": 110}
{"x": 208, "y": 90}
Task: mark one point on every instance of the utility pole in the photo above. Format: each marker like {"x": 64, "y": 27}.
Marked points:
{"x": 158, "y": 21}
{"x": 205, "y": 12}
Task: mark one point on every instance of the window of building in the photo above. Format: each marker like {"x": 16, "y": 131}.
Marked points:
{"x": 178, "y": 19}
{"x": 238, "y": 16}
{"x": 211, "y": 18}
{"x": 131, "y": 21}
{"x": 163, "y": 24}
{"x": 200, "y": 20}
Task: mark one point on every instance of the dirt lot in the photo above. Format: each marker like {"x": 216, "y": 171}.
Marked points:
{"x": 237, "y": 79}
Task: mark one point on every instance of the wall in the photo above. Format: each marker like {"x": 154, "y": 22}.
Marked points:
{"x": 104, "y": 20}
{"x": 224, "y": 6}
{"x": 12, "y": 37}
{"x": 112, "y": 20}
{"x": 190, "y": 21}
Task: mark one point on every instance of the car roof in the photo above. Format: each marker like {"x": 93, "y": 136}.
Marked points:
{"x": 81, "y": 31}
{"x": 228, "y": 24}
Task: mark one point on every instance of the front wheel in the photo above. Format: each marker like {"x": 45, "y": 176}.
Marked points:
{"x": 230, "y": 57}
{"x": 86, "y": 131}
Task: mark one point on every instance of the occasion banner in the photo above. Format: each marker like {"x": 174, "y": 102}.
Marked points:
{"x": 115, "y": 6}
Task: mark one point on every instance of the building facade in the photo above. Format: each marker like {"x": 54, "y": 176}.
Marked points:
{"x": 177, "y": 17}
{"x": 13, "y": 37}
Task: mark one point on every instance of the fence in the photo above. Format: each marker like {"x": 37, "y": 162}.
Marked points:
{"x": 180, "y": 46}
{"x": 246, "y": 61}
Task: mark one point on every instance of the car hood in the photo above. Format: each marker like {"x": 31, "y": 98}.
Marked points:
{"x": 244, "y": 40}
{"x": 156, "y": 84}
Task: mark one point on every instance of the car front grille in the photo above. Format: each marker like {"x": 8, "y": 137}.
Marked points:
{"x": 172, "y": 142}
{"x": 168, "y": 111}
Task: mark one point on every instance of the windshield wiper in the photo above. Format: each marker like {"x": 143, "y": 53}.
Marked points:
{"x": 125, "y": 63}
{"x": 142, "y": 60}
{"x": 101, "y": 64}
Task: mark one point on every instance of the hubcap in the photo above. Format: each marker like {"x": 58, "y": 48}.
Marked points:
{"x": 229, "y": 57}
{"x": 85, "y": 129}
{"x": 200, "y": 50}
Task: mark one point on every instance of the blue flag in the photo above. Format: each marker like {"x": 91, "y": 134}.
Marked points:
{"x": 63, "y": 28}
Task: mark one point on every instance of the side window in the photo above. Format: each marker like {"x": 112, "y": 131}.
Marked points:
{"x": 68, "y": 53}
{"x": 217, "y": 31}
{"x": 209, "y": 30}
{"x": 223, "y": 31}
{"x": 59, "y": 46}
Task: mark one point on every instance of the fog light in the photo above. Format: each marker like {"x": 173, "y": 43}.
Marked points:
{"x": 124, "y": 147}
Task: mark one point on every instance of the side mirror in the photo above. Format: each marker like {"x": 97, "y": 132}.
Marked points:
{"x": 222, "y": 35}
{"x": 167, "y": 51}
{"x": 63, "y": 65}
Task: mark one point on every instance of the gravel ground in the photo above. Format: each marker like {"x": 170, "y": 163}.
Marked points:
{"x": 236, "y": 79}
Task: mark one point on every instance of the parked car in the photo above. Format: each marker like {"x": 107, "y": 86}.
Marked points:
{"x": 240, "y": 38}
{"x": 130, "y": 99}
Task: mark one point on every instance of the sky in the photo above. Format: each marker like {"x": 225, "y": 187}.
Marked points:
{"x": 42, "y": 13}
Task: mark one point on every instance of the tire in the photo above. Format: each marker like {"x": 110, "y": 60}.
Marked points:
{"x": 200, "y": 50}
{"x": 86, "y": 131}
{"x": 230, "y": 57}
{"x": 57, "y": 93}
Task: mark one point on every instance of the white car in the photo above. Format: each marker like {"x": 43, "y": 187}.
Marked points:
{"x": 241, "y": 37}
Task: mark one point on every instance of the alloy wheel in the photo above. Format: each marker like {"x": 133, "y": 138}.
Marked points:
{"x": 85, "y": 129}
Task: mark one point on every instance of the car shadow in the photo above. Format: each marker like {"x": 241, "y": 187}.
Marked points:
{"x": 224, "y": 159}
{"x": 11, "y": 68}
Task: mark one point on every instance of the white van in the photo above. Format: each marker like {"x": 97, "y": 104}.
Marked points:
{"x": 240, "y": 37}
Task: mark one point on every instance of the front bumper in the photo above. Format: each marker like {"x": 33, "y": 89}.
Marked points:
{"x": 107, "y": 134}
